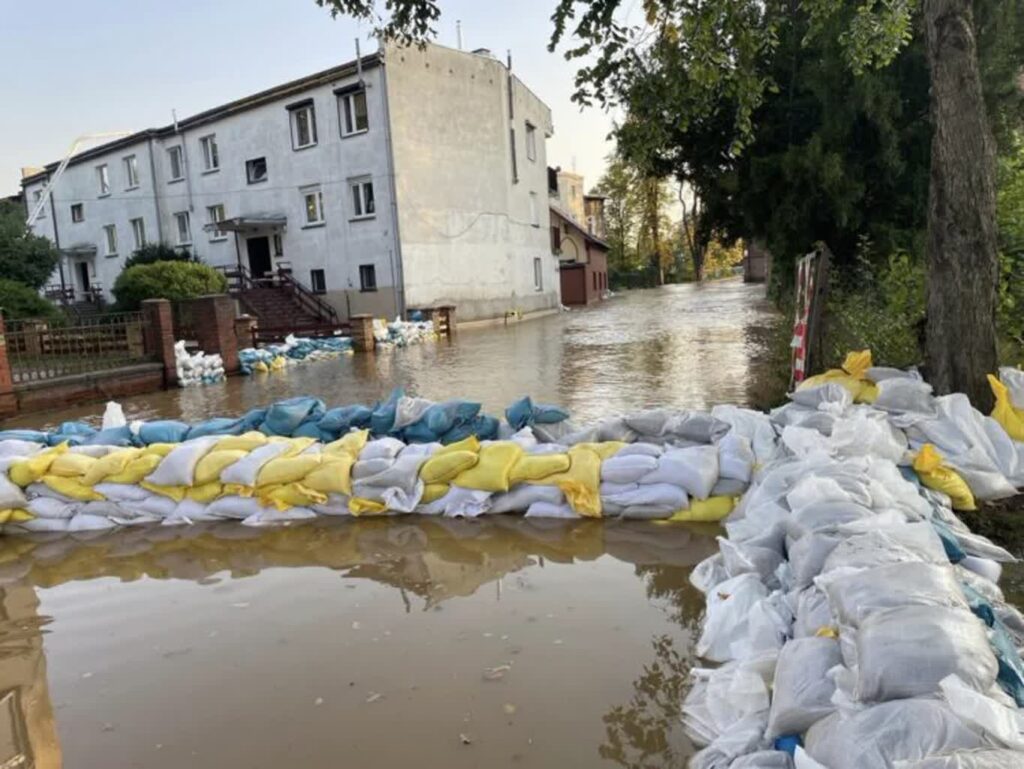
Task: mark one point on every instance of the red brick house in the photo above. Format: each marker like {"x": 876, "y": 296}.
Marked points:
{"x": 582, "y": 256}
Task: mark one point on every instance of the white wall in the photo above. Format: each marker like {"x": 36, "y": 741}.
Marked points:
{"x": 465, "y": 224}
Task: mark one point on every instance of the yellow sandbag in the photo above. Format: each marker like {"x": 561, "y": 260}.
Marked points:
{"x": 71, "y": 465}
{"x": 244, "y": 442}
{"x": 295, "y": 446}
{"x": 71, "y": 487}
{"x": 444, "y": 466}
{"x": 581, "y": 483}
{"x": 536, "y": 467}
{"x": 136, "y": 469}
{"x": 288, "y": 495}
{"x": 278, "y": 363}
{"x": 827, "y": 631}
{"x": 287, "y": 469}
{"x": 333, "y": 476}
{"x": 707, "y": 510}
{"x": 359, "y": 506}
{"x": 238, "y": 490}
{"x": 30, "y": 470}
{"x": 935, "y": 475}
{"x": 434, "y": 491}
{"x": 351, "y": 443}
{"x": 177, "y": 493}
{"x": 208, "y": 469}
{"x": 868, "y": 392}
{"x": 109, "y": 464}
{"x": 605, "y": 449}
{"x": 15, "y": 515}
{"x": 160, "y": 449}
{"x": 857, "y": 364}
{"x": 492, "y": 472}
{"x": 260, "y": 366}
{"x": 1011, "y": 418}
{"x": 205, "y": 493}
{"x": 470, "y": 443}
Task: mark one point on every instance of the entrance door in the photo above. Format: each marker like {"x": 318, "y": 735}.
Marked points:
{"x": 83, "y": 276}
{"x": 259, "y": 256}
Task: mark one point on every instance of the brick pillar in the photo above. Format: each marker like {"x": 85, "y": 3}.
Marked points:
{"x": 8, "y": 400}
{"x": 160, "y": 336}
{"x": 245, "y": 329}
{"x": 445, "y": 317}
{"x": 213, "y": 319}
{"x": 362, "y": 333}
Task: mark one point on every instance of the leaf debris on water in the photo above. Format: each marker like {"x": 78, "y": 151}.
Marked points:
{"x": 374, "y": 696}
{"x": 356, "y": 625}
{"x": 241, "y": 605}
{"x": 465, "y": 739}
{"x": 496, "y": 673}
{"x": 509, "y": 709}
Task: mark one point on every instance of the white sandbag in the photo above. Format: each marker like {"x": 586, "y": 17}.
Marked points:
{"x": 695, "y": 469}
{"x": 402, "y": 473}
{"x": 156, "y": 505}
{"x": 729, "y": 605}
{"x": 720, "y": 697}
{"x": 985, "y": 758}
{"x": 521, "y": 496}
{"x": 395, "y": 498}
{"x": 381, "y": 448}
{"x": 336, "y": 505}
{"x": 901, "y": 395}
{"x": 41, "y": 525}
{"x": 1001, "y": 723}
{"x": 11, "y": 497}
{"x": 628, "y": 468}
{"x": 550, "y": 510}
{"x": 696, "y": 427}
{"x": 178, "y": 468}
{"x": 735, "y": 458}
{"x": 728, "y": 487}
{"x": 764, "y": 759}
{"x": 830, "y": 395}
{"x": 742, "y": 738}
{"x": 84, "y": 522}
{"x": 1013, "y": 378}
{"x": 855, "y": 595}
{"x": 802, "y": 692}
{"x": 122, "y": 492}
{"x": 459, "y": 502}
{"x": 879, "y": 374}
{"x": 768, "y": 625}
{"x": 234, "y": 507}
{"x": 807, "y": 556}
{"x": 827, "y": 517}
{"x": 812, "y": 613}
{"x": 755, "y": 426}
{"x": 816, "y": 489}
{"x": 660, "y": 495}
{"x": 907, "y": 651}
{"x": 709, "y": 573}
{"x": 641, "y": 449}
{"x": 746, "y": 558}
{"x": 368, "y": 468}
{"x": 888, "y": 544}
{"x": 47, "y": 507}
{"x": 646, "y": 512}
{"x": 113, "y": 416}
{"x": 16, "y": 449}
{"x": 988, "y": 589}
{"x": 879, "y": 736}
{"x": 866, "y": 433}
{"x": 271, "y": 516}
{"x": 986, "y": 567}
{"x": 245, "y": 471}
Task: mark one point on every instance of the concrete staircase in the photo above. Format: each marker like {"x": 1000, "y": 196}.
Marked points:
{"x": 274, "y": 306}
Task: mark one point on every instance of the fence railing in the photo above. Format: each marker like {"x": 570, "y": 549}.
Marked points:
{"x": 39, "y": 351}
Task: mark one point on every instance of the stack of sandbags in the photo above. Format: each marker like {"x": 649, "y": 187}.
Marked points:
{"x": 197, "y": 368}
{"x": 402, "y": 333}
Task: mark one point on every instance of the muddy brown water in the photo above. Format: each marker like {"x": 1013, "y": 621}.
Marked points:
{"x": 388, "y": 643}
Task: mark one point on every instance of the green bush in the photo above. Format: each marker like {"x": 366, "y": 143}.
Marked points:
{"x": 24, "y": 258}
{"x": 19, "y": 301}
{"x": 159, "y": 252}
{"x": 166, "y": 280}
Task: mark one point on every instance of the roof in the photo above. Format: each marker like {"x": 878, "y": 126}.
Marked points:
{"x": 568, "y": 219}
{"x": 216, "y": 113}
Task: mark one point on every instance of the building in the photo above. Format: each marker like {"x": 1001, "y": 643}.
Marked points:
{"x": 756, "y": 262}
{"x": 408, "y": 178}
{"x": 577, "y": 238}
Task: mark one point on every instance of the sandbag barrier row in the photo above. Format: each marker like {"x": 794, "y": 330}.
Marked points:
{"x": 855, "y": 622}
{"x": 264, "y": 480}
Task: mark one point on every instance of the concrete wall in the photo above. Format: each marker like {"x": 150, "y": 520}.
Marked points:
{"x": 468, "y": 234}
{"x": 570, "y": 195}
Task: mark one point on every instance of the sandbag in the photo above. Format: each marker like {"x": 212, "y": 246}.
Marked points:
{"x": 178, "y": 468}
{"x": 807, "y": 556}
{"x": 628, "y": 468}
{"x": 935, "y": 475}
{"x": 728, "y": 609}
{"x": 888, "y": 544}
{"x": 900, "y": 395}
{"x": 735, "y": 458}
{"x": 985, "y": 758}
{"x": 764, "y": 759}
{"x": 802, "y": 691}
{"x": 695, "y": 469}
{"x": 812, "y": 613}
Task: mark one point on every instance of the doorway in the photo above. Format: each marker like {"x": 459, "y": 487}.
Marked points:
{"x": 83, "y": 276}
{"x": 259, "y": 256}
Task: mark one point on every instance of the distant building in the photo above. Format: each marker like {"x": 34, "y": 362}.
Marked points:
{"x": 412, "y": 177}
{"x": 756, "y": 263}
{"x": 577, "y": 238}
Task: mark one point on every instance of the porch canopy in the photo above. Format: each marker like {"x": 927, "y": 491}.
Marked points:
{"x": 248, "y": 223}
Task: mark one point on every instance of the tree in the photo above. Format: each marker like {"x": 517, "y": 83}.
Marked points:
{"x": 618, "y": 185}
{"x": 25, "y": 258}
{"x": 159, "y": 252}
{"x": 721, "y": 50}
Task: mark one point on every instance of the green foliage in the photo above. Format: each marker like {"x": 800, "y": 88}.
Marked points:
{"x": 158, "y": 252}
{"x": 166, "y": 280}
{"x": 19, "y": 301}
{"x": 1010, "y": 217}
{"x": 25, "y": 258}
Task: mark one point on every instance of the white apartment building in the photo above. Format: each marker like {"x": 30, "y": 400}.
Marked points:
{"x": 409, "y": 178}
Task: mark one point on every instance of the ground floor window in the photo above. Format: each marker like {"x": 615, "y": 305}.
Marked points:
{"x": 538, "y": 274}
{"x": 367, "y": 277}
{"x": 318, "y": 281}
{"x": 278, "y": 245}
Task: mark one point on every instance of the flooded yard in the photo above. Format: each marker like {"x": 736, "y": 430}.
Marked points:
{"x": 389, "y": 643}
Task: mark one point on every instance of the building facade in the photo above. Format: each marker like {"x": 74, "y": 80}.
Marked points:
{"x": 577, "y": 239}
{"x": 405, "y": 179}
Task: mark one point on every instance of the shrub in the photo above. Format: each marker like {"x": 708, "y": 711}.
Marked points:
{"x": 159, "y": 252}
{"x": 166, "y": 280}
{"x": 24, "y": 258}
{"x": 20, "y": 301}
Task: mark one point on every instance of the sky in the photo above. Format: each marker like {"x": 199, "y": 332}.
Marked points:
{"x": 75, "y": 68}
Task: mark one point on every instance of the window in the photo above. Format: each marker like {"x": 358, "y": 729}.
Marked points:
{"x": 362, "y": 200}
{"x": 256, "y": 170}
{"x": 211, "y": 159}
{"x": 138, "y": 233}
{"x": 556, "y": 240}
{"x": 36, "y": 197}
{"x": 595, "y": 280}
{"x": 354, "y": 118}
{"x": 303, "y": 125}
{"x": 175, "y": 164}
{"x": 110, "y": 235}
{"x": 534, "y": 212}
{"x": 538, "y": 274}
{"x": 278, "y": 245}
{"x": 131, "y": 172}
{"x": 184, "y": 226}
{"x": 313, "y": 201}
{"x": 104, "y": 178}
{"x": 367, "y": 277}
{"x": 77, "y": 212}
{"x": 531, "y": 142}
{"x": 317, "y": 281}
{"x": 215, "y": 214}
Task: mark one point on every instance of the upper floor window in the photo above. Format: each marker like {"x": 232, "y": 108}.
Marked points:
{"x": 77, "y": 212}
{"x": 184, "y": 226}
{"x": 303, "y": 118}
{"x": 36, "y": 197}
{"x": 534, "y": 211}
{"x": 313, "y": 201}
{"x": 175, "y": 163}
{"x": 131, "y": 172}
{"x": 211, "y": 158}
{"x": 363, "y": 205}
{"x": 531, "y": 142}
{"x": 256, "y": 170}
{"x": 110, "y": 236}
{"x": 103, "y": 175}
{"x": 216, "y": 214}
{"x": 353, "y": 115}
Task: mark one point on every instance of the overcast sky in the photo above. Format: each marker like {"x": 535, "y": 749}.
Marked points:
{"x": 74, "y": 68}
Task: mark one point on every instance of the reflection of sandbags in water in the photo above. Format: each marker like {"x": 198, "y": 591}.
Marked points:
{"x": 646, "y": 543}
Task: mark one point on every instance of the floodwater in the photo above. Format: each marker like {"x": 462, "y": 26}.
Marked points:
{"x": 504, "y": 642}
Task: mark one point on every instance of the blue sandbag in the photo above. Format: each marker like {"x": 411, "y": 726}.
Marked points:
{"x": 442, "y": 417}
{"x": 284, "y": 417}
{"x": 217, "y": 426}
{"x": 383, "y": 419}
{"x": 520, "y": 413}
{"x": 75, "y": 428}
{"x": 311, "y": 430}
{"x": 1010, "y": 674}
{"x": 163, "y": 431}
{"x": 483, "y": 427}
{"x": 950, "y": 543}
{"x": 252, "y": 420}
{"x": 35, "y": 436}
{"x": 544, "y": 414}
{"x": 112, "y": 436}
{"x": 339, "y": 421}
{"x": 419, "y": 432}
{"x": 70, "y": 440}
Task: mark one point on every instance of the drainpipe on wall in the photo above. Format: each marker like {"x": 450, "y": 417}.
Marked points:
{"x": 156, "y": 198}
{"x": 396, "y": 254}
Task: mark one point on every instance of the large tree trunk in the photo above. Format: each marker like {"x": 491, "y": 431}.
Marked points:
{"x": 963, "y": 267}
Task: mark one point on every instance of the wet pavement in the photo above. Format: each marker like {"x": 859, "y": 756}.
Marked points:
{"x": 388, "y": 643}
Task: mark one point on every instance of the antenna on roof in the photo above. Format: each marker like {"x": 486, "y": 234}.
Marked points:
{"x": 458, "y": 33}
{"x": 359, "y": 62}
{"x": 174, "y": 119}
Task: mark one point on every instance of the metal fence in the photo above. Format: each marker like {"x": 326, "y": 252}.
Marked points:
{"x": 39, "y": 350}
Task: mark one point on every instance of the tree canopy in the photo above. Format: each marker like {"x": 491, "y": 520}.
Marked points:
{"x": 24, "y": 258}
